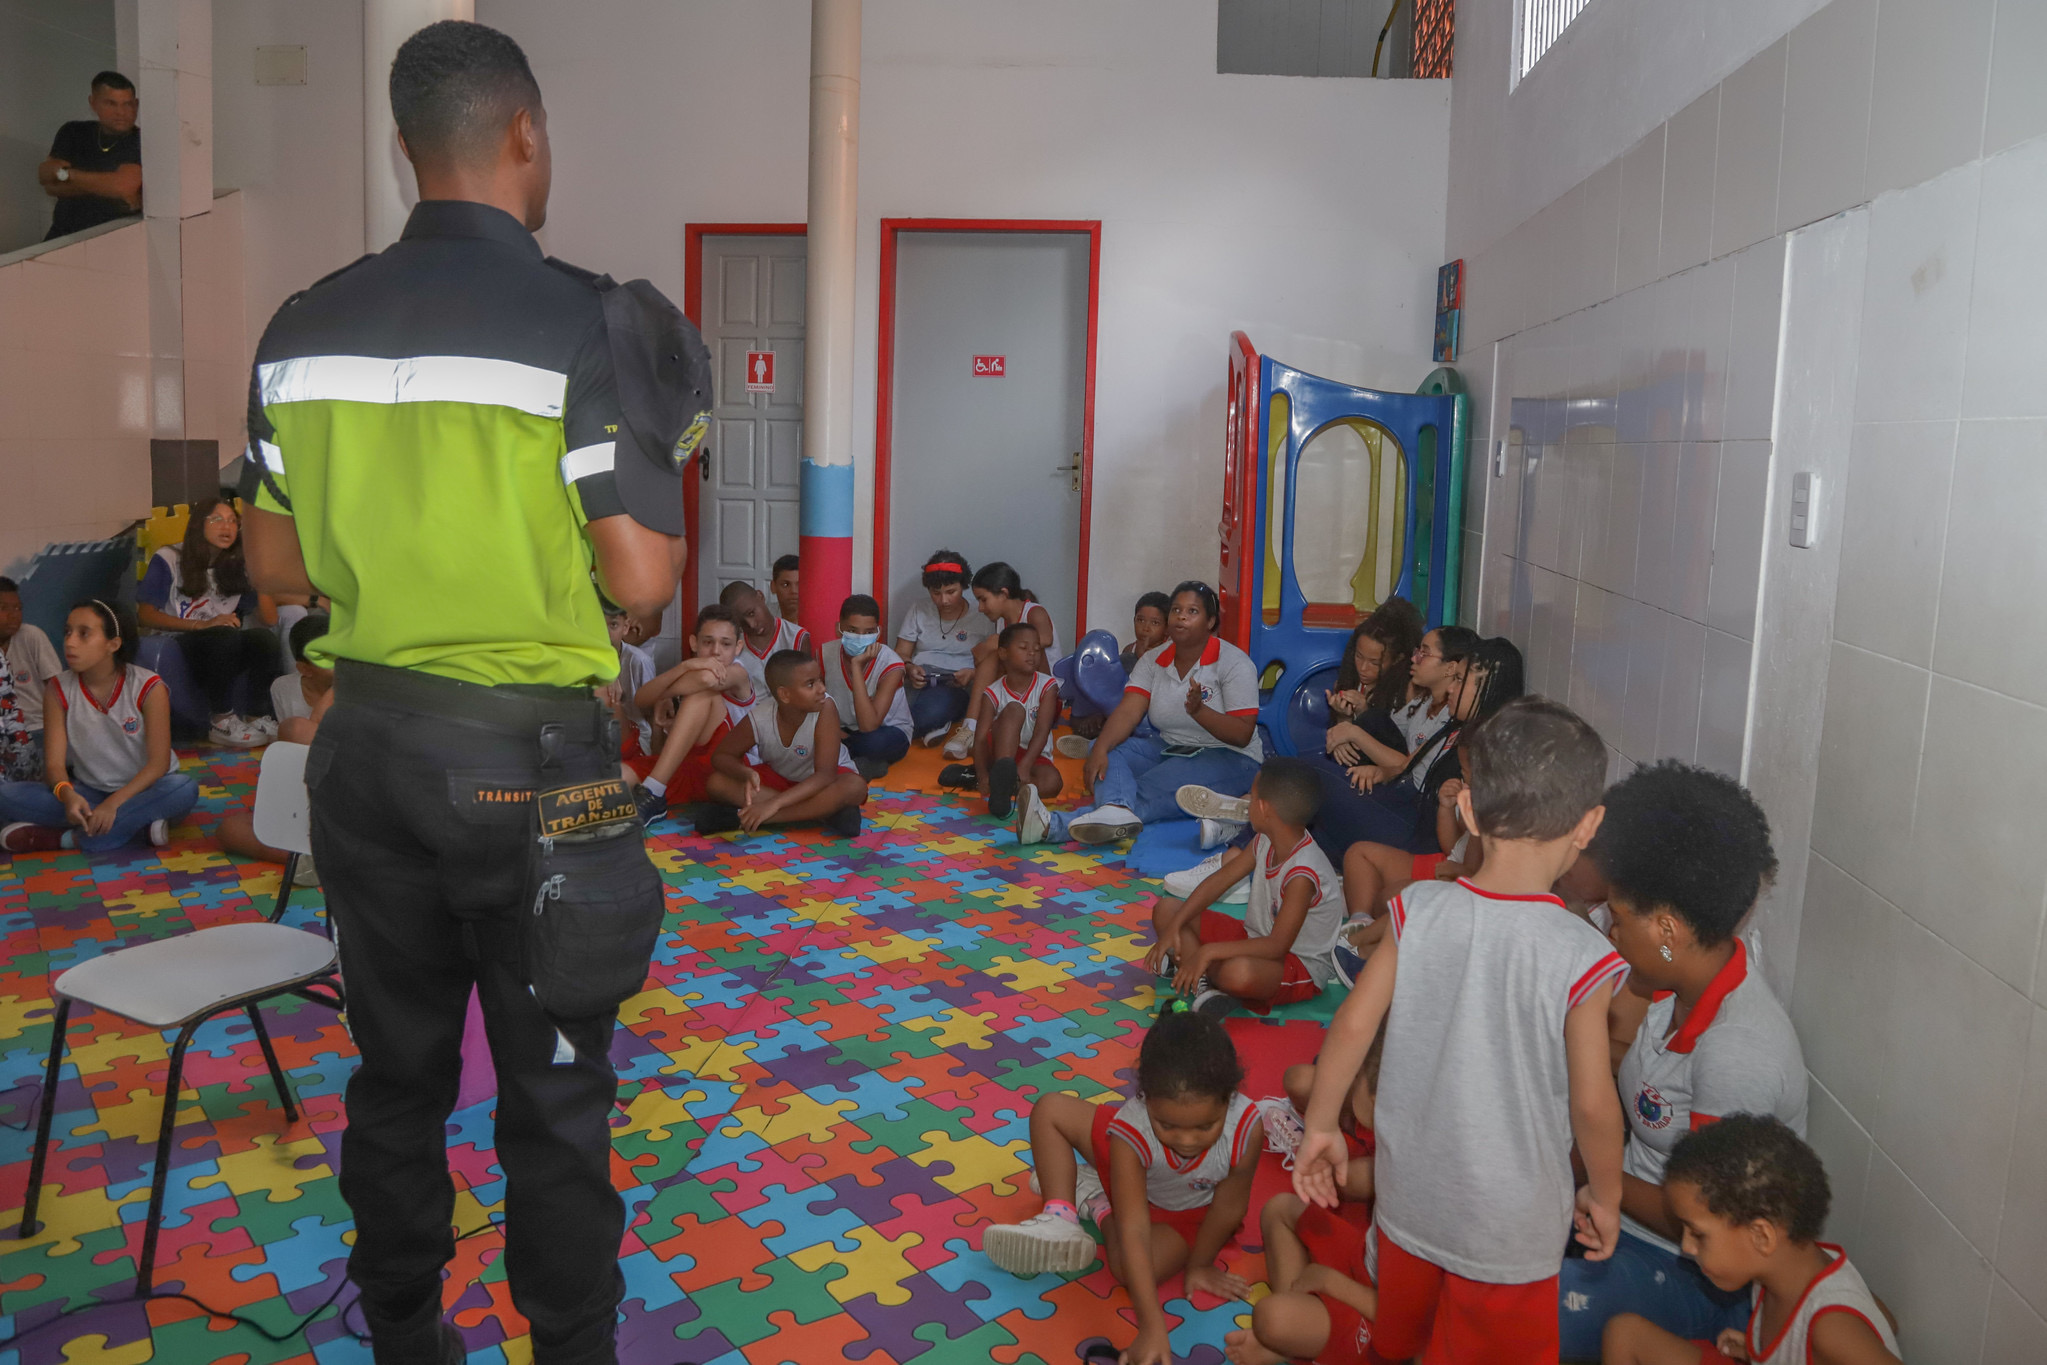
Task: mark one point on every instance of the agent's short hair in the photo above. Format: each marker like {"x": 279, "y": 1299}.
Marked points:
{"x": 1291, "y": 788}
{"x": 9, "y": 585}
{"x": 1157, "y": 601}
{"x": 1535, "y": 768}
{"x": 1750, "y": 1166}
{"x": 307, "y": 629}
{"x": 786, "y": 564}
{"x": 714, "y": 611}
{"x": 782, "y": 665}
{"x": 1188, "y": 1054}
{"x": 732, "y": 594}
{"x": 1689, "y": 840}
{"x": 112, "y": 80}
{"x": 859, "y": 604}
{"x": 454, "y": 87}
{"x": 1010, "y": 632}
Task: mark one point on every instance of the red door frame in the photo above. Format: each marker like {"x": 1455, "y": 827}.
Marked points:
{"x": 693, "y": 235}
{"x": 885, "y": 380}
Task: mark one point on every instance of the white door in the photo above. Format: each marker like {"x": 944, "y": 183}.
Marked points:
{"x": 753, "y": 302}
{"x": 981, "y": 463}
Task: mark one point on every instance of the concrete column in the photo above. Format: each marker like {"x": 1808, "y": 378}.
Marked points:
{"x": 826, "y": 484}
{"x": 388, "y": 190}
{"x": 174, "y": 82}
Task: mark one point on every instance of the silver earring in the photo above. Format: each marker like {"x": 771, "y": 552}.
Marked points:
{"x": 1665, "y": 950}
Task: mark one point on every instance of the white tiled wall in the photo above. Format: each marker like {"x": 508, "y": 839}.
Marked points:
{"x": 1627, "y": 335}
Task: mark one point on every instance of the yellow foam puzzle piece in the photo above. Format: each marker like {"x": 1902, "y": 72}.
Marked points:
{"x": 878, "y": 1267}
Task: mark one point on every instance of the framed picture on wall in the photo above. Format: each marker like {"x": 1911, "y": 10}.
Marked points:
{"x": 1450, "y": 287}
{"x": 1446, "y": 334}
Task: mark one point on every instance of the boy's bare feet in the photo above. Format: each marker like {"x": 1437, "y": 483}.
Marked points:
{"x": 1242, "y": 1348}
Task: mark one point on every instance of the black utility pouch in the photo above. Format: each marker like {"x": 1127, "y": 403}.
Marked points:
{"x": 589, "y": 928}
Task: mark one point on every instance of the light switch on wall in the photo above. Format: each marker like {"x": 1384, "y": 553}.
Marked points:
{"x": 1805, "y": 501}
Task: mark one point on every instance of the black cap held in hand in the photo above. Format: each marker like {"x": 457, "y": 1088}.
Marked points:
{"x": 663, "y": 372}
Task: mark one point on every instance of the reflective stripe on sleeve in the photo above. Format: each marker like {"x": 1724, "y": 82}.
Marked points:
{"x": 414, "y": 379}
{"x": 584, "y": 461}
{"x": 268, "y": 455}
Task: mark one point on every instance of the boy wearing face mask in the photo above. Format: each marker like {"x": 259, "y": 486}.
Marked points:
{"x": 865, "y": 679}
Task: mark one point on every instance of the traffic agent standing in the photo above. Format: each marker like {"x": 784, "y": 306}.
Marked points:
{"x": 445, "y": 439}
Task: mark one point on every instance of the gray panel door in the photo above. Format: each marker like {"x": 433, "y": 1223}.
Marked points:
{"x": 753, "y": 301}
{"x": 981, "y": 464}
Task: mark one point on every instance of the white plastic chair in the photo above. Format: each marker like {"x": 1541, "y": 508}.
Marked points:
{"x": 283, "y": 814}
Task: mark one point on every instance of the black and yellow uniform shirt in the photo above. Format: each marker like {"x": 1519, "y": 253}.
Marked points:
{"x": 439, "y": 419}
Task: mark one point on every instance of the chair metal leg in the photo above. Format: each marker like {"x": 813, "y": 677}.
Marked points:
{"x": 291, "y": 1111}
{"x": 284, "y": 885}
{"x": 29, "y": 1226}
{"x": 145, "y": 1272}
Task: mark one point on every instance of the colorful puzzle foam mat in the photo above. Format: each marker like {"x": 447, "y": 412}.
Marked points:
{"x": 825, "y": 1097}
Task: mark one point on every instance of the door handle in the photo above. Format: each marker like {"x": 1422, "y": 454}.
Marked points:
{"x": 1071, "y": 471}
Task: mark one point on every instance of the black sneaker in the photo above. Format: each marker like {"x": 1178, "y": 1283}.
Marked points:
{"x": 872, "y": 769}
{"x": 651, "y": 807}
{"x": 1212, "y": 1002}
{"x": 1002, "y": 784}
{"x": 958, "y": 775}
{"x": 715, "y": 817}
{"x": 844, "y": 822}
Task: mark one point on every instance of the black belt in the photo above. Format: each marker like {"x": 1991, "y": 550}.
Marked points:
{"x": 515, "y": 708}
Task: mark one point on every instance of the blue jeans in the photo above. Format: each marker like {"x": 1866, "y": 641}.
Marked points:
{"x": 171, "y": 797}
{"x": 884, "y": 742}
{"x": 938, "y": 705}
{"x": 1641, "y": 1277}
{"x": 1395, "y": 813}
{"x": 1142, "y": 779}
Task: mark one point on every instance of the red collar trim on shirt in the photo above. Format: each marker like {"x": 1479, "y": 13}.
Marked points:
{"x": 1272, "y": 868}
{"x": 747, "y": 642}
{"x": 1840, "y": 1259}
{"x": 86, "y": 692}
{"x": 1210, "y": 652}
{"x": 1465, "y": 882}
{"x": 1702, "y": 1015}
{"x": 1003, "y": 682}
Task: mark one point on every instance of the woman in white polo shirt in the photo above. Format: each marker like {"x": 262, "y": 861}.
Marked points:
{"x": 1201, "y": 693}
{"x": 1685, "y": 851}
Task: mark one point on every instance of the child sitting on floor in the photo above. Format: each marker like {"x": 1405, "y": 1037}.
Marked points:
{"x": 693, "y": 704}
{"x": 937, "y": 643}
{"x": 1280, "y": 951}
{"x": 1148, "y": 630}
{"x": 106, "y": 749}
{"x": 876, "y": 709}
{"x": 1020, "y": 708}
{"x": 785, "y": 584}
{"x": 299, "y": 698}
{"x": 1496, "y": 1060}
{"x": 804, "y": 772}
{"x": 1752, "y": 1199}
{"x": 1000, "y": 594}
{"x": 1183, "y": 1151}
{"x": 764, "y": 635}
{"x": 635, "y": 670}
{"x": 1323, "y": 1299}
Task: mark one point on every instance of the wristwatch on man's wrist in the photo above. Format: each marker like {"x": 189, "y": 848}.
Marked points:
{"x": 63, "y": 172}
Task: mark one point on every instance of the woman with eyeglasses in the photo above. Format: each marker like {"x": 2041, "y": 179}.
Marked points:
{"x": 1201, "y": 694}
{"x": 199, "y": 591}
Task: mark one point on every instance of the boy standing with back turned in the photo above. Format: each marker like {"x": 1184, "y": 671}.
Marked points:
{"x": 1495, "y": 1060}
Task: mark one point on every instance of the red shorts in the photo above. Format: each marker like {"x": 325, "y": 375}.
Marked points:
{"x": 1339, "y": 1244}
{"x": 1296, "y": 983}
{"x": 1462, "y": 1322}
{"x": 1425, "y": 865}
{"x": 1362, "y": 1145}
{"x": 771, "y": 779}
{"x": 1709, "y": 1354}
{"x": 1186, "y": 1222}
{"x": 691, "y": 782}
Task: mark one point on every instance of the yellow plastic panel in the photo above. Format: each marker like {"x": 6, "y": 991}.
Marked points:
{"x": 1278, "y": 418}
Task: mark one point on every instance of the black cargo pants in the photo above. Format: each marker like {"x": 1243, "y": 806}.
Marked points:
{"x": 423, "y": 830}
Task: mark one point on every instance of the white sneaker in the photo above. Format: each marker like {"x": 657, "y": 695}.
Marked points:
{"x": 159, "y": 833}
{"x": 1212, "y": 1002}
{"x": 1206, "y": 803}
{"x": 1044, "y": 1241}
{"x": 1180, "y": 885}
{"x": 1105, "y": 825}
{"x": 961, "y": 744}
{"x": 265, "y": 726}
{"x": 1071, "y": 746}
{"x": 931, "y": 739}
{"x": 232, "y": 732}
{"x": 1033, "y": 821}
{"x": 1216, "y": 833}
{"x": 1283, "y": 1128}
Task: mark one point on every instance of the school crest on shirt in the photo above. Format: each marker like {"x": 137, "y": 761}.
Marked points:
{"x": 1654, "y": 1110}
{"x": 131, "y": 725}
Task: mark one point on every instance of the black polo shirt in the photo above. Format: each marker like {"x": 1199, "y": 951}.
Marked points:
{"x": 85, "y": 146}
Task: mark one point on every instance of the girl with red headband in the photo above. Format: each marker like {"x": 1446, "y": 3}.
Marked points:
{"x": 937, "y": 641}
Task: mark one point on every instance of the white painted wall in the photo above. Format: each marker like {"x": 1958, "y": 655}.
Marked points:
{"x": 1610, "y": 228}
{"x": 1308, "y": 212}
{"x": 49, "y": 52}
{"x": 295, "y": 151}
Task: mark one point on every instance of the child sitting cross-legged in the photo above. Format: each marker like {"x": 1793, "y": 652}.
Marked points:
{"x": 1494, "y": 999}
{"x": 1179, "y": 1158}
{"x": 1279, "y": 952}
{"x": 1022, "y": 706}
{"x": 804, "y": 772}
{"x": 693, "y": 704}
{"x": 1752, "y": 1199}
{"x": 865, "y": 678}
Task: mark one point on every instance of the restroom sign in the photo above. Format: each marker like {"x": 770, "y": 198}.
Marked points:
{"x": 989, "y": 365}
{"x": 760, "y": 371}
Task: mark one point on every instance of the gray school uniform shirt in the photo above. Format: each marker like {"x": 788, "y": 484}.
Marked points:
{"x": 1473, "y": 1116}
